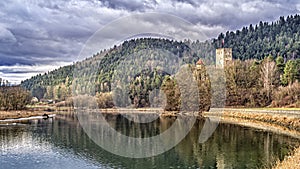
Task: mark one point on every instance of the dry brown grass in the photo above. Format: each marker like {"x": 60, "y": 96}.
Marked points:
{"x": 20, "y": 114}
{"x": 290, "y": 162}
{"x": 292, "y": 123}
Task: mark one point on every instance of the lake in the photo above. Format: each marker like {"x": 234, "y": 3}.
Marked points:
{"x": 61, "y": 142}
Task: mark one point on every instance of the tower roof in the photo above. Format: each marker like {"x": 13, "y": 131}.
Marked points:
{"x": 199, "y": 62}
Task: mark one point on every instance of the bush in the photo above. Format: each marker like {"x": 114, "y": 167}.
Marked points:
{"x": 67, "y": 103}
{"x": 172, "y": 93}
{"x": 84, "y": 101}
{"x": 287, "y": 96}
{"x": 13, "y": 98}
{"x": 105, "y": 100}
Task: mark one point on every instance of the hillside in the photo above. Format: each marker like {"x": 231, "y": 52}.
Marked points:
{"x": 279, "y": 38}
{"x": 56, "y": 84}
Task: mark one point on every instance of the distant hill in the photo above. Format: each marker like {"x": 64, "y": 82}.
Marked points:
{"x": 279, "y": 38}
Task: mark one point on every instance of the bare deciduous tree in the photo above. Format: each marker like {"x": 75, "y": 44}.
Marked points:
{"x": 268, "y": 75}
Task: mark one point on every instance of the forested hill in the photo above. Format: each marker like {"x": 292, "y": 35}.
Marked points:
{"x": 279, "y": 38}
{"x": 56, "y": 84}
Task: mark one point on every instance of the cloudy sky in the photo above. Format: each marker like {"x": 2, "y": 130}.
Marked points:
{"x": 39, "y": 35}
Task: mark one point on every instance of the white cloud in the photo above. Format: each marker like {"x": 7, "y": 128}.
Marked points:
{"x": 16, "y": 73}
{"x": 298, "y": 7}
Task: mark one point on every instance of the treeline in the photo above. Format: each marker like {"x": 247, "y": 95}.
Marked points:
{"x": 269, "y": 82}
{"x": 13, "y": 97}
{"x": 52, "y": 85}
{"x": 188, "y": 90}
{"x": 279, "y": 38}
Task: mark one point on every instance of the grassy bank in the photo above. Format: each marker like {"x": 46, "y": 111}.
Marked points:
{"x": 281, "y": 118}
{"x": 33, "y": 110}
{"x": 20, "y": 114}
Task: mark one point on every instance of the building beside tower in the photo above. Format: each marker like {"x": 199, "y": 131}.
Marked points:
{"x": 223, "y": 57}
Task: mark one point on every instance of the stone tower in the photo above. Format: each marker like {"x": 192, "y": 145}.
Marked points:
{"x": 223, "y": 57}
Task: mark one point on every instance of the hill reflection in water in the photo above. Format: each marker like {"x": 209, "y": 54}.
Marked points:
{"x": 62, "y": 143}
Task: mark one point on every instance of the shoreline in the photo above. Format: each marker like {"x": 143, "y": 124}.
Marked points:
{"x": 288, "y": 120}
{"x": 260, "y": 125}
{"x": 22, "y": 114}
{"x": 282, "y": 121}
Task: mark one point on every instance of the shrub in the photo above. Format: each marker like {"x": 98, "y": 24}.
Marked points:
{"x": 105, "y": 100}
{"x": 286, "y": 96}
{"x": 13, "y": 98}
{"x": 84, "y": 101}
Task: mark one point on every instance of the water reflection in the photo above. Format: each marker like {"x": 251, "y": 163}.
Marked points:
{"x": 62, "y": 143}
{"x": 23, "y": 147}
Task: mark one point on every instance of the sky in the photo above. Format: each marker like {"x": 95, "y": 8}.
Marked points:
{"x": 37, "y": 36}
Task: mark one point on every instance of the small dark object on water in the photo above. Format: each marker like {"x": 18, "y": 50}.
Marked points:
{"x": 45, "y": 116}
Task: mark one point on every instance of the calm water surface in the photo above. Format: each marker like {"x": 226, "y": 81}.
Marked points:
{"x": 62, "y": 143}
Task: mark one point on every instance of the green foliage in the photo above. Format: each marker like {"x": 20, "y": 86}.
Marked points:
{"x": 280, "y": 38}
{"x": 143, "y": 85}
{"x": 280, "y": 64}
{"x": 104, "y": 64}
{"x": 45, "y": 86}
{"x": 291, "y": 72}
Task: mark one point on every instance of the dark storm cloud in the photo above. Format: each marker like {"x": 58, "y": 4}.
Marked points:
{"x": 10, "y": 61}
{"x": 231, "y": 14}
{"x": 133, "y": 5}
{"x": 8, "y": 70}
{"x": 194, "y": 3}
